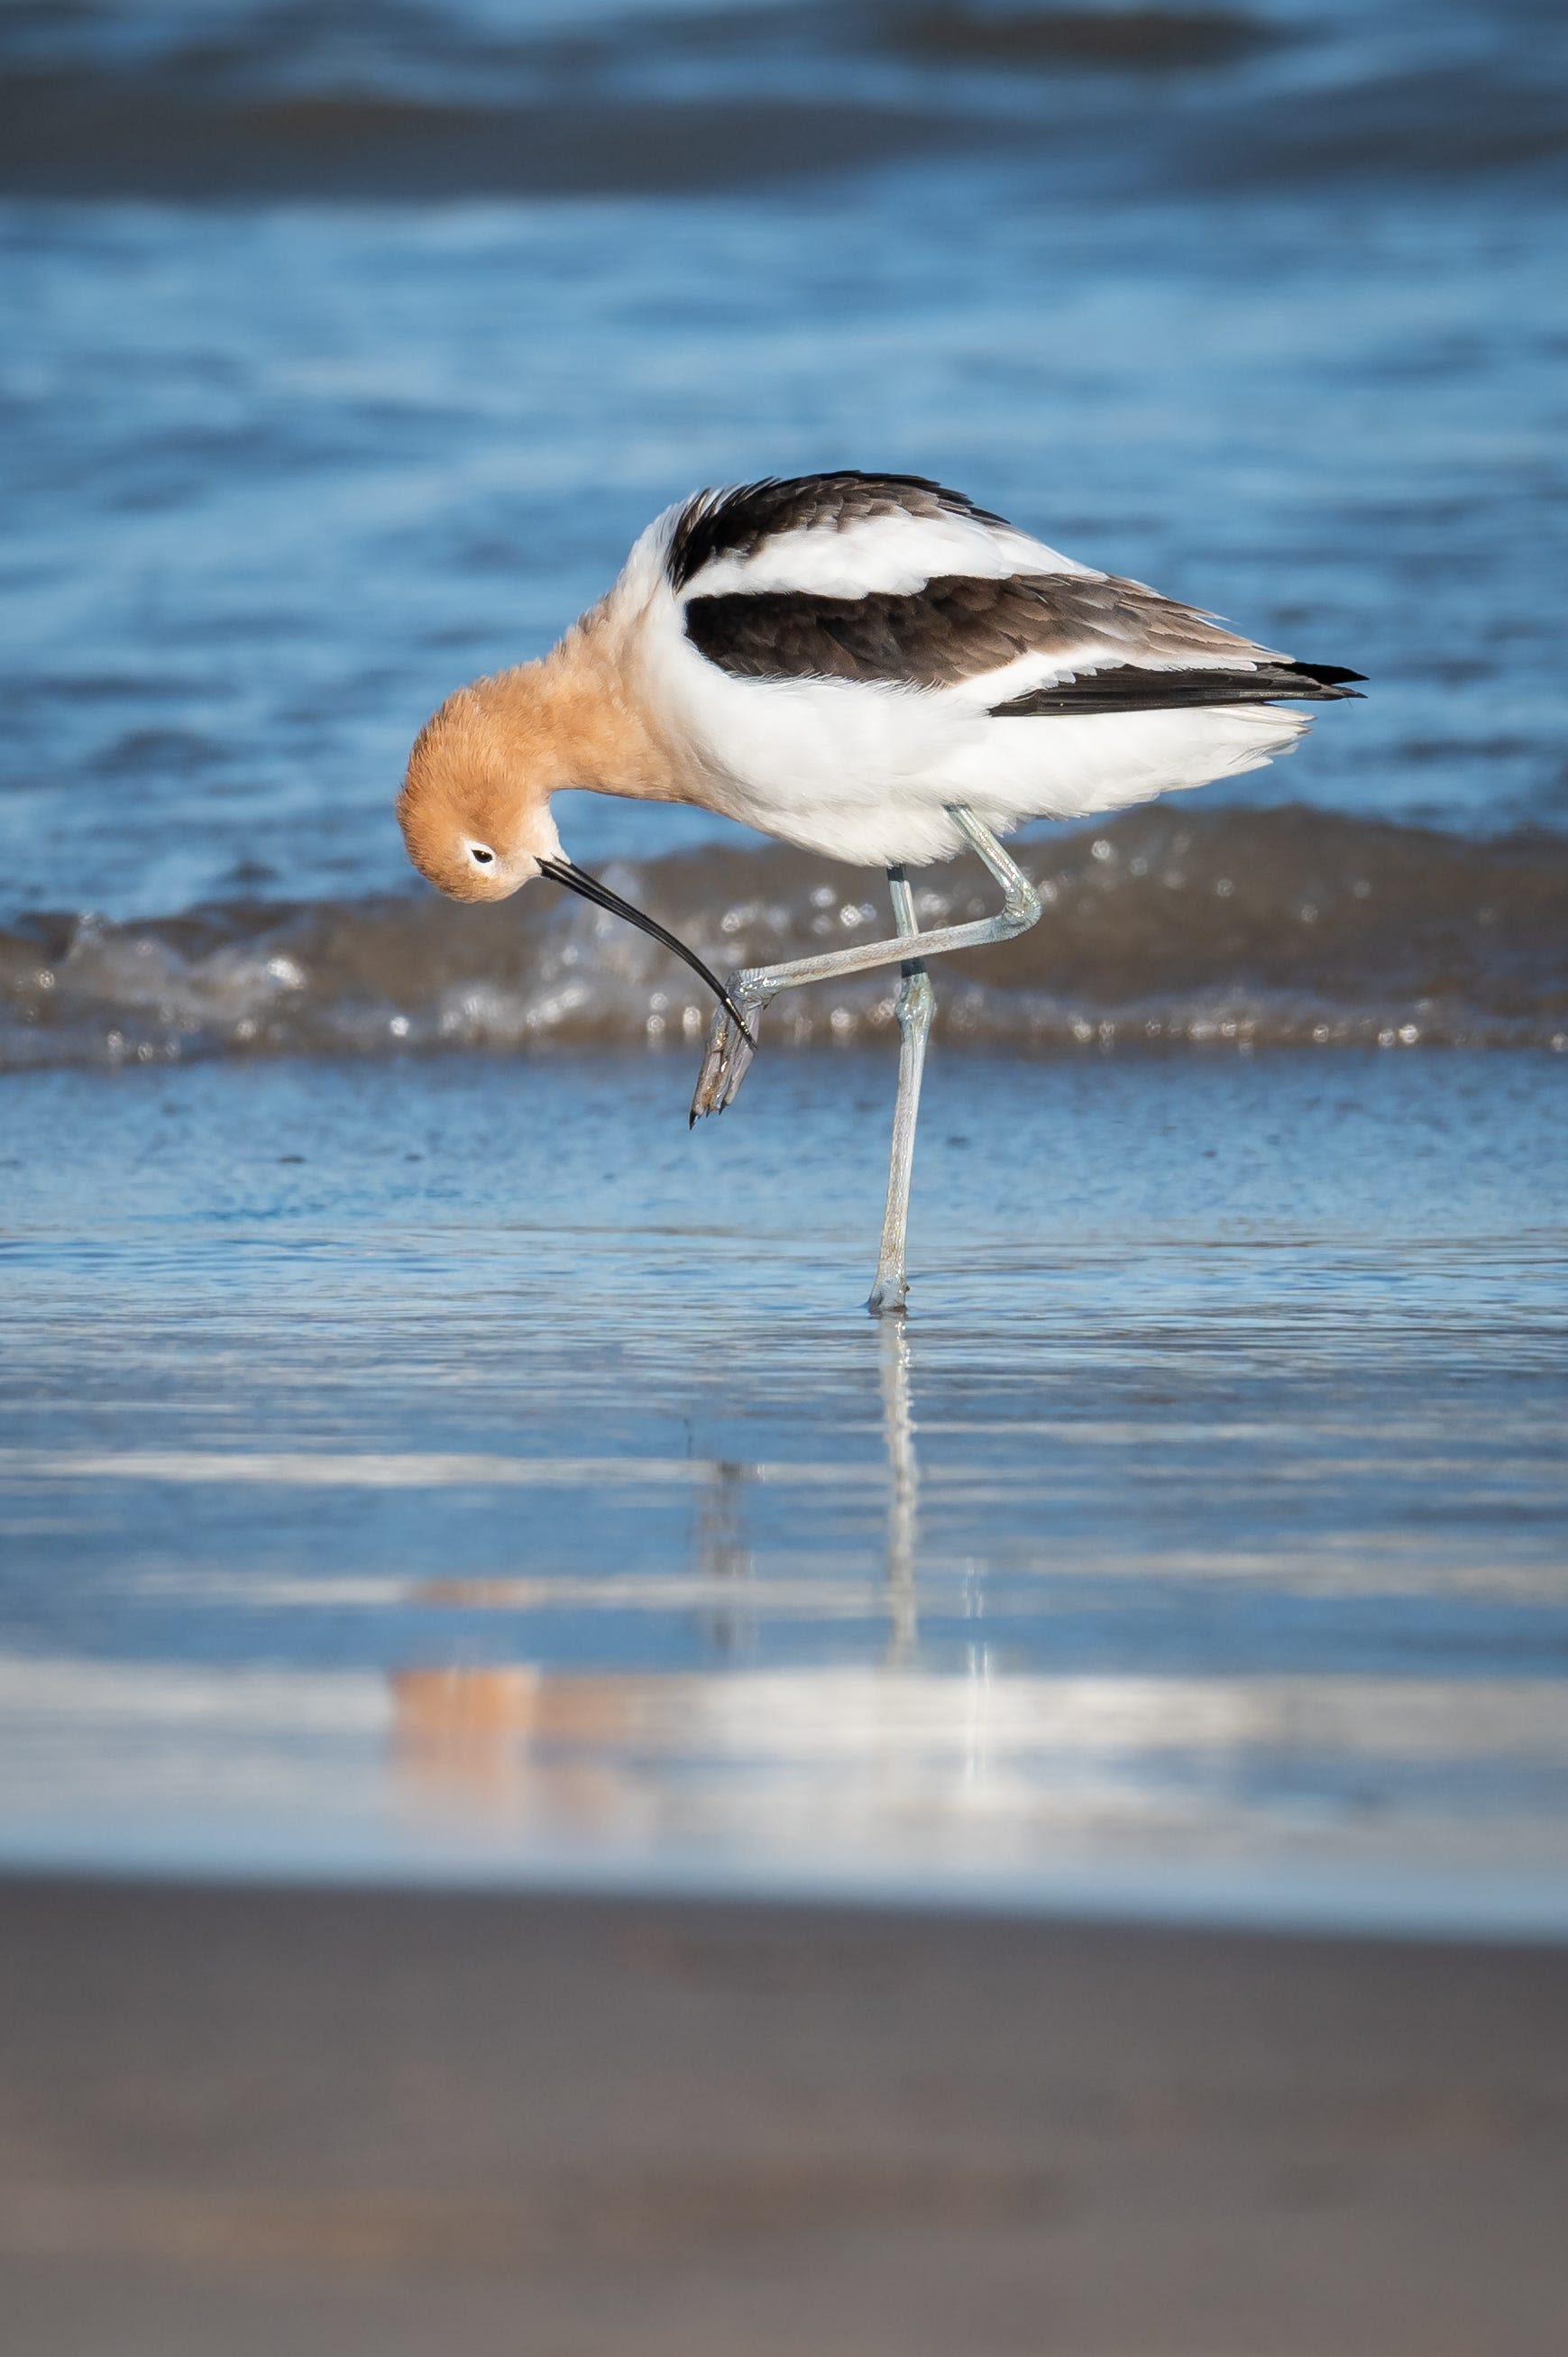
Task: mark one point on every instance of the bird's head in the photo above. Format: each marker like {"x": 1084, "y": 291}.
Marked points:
{"x": 475, "y": 805}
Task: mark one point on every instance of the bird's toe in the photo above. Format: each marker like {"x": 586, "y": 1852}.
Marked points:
{"x": 725, "y": 1062}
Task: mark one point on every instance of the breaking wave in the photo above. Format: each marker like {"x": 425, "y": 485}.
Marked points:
{"x": 1284, "y": 928}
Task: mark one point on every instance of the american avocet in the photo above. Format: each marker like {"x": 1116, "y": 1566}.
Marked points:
{"x": 869, "y": 666}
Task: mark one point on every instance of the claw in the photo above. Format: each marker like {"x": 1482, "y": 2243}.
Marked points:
{"x": 725, "y": 1062}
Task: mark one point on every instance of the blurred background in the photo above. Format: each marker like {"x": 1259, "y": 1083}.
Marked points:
{"x": 348, "y": 347}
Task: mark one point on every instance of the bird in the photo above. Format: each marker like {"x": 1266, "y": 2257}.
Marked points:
{"x": 871, "y": 667}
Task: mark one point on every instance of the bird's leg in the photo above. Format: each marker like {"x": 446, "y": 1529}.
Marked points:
{"x": 891, "y": 1289}
{"x": 728, "y": 1056}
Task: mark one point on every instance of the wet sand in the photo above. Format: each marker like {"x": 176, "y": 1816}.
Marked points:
{"x": 256, "y": 2119}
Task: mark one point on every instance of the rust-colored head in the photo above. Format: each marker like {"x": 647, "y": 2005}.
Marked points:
{"x": 475, "y": 806}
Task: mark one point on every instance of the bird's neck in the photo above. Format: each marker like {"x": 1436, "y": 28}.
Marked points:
{"x": 578, "y": 719}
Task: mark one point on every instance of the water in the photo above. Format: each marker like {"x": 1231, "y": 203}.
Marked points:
{"x": 426, "y": 1459}
{"x": 1170, "y": 925}
{"x": 381, "y": 1493}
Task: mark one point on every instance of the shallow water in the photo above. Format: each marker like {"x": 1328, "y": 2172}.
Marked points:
{"x": 457, "y": 1468}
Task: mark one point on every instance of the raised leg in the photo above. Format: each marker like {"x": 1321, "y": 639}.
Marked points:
{"x": 728, "y": 1057}
{"x": 891, "y": 1290}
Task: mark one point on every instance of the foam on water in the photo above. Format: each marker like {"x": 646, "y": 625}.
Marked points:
{"x": 1258, "y": 928}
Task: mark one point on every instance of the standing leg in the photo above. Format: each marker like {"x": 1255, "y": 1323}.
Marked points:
{"x": 891, "y": 1289}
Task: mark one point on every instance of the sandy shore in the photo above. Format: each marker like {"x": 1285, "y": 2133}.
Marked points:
{"x": 249, "y": 2119}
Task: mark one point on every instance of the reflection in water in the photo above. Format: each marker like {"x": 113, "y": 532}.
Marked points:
{"x": 520, "y": 1739}
{"x": 877, "y": 1762}
{"x": 872, "y": 1774}
{"x": 903, "y": 1491}
{"x": 721, "y": 1572}
{"x": 722, "y": 1554}
{"x": 533, "y": 1559}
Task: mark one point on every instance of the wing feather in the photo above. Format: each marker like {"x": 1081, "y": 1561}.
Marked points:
{"x": 737, "y": 520}
{"x": 958, "y": 629}
{"x": 844, "y": 536}
{"x": 896, "y": 581}
{"x": 1127, "y": 687}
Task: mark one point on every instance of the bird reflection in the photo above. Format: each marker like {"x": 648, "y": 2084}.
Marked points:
{"x": 723, "y": 1555}
{"x": 514, "y": 1737}
{"x": 903, "y": 1493}
{"x": 508, "y": 1734}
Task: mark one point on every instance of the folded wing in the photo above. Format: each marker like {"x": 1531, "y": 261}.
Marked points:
{"x": 894, "y": 581}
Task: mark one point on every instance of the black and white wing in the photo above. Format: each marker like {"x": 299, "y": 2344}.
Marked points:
{"x": 894, "y": 581}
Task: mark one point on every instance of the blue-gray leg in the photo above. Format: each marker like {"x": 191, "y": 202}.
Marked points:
{"x": 729, "y": 1055}
{"x": 890, "y": 1292}
{"x": 727, "y": 1058}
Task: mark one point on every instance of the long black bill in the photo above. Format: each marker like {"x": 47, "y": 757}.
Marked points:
{"x": 562, "y": 871}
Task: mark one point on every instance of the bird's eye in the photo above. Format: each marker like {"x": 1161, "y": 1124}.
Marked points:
{"x": 480, "y": 853}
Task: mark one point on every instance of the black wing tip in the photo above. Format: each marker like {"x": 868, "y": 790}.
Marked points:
{"x": 1332, "y": 679}
{"x": 1131, "y": 688}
